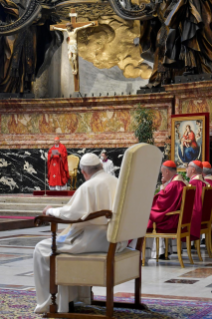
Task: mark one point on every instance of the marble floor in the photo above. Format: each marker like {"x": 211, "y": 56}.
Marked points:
{"x": 163, "y": 280}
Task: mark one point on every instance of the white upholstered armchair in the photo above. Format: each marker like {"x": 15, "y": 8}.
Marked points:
{"x": 129, "y": 218}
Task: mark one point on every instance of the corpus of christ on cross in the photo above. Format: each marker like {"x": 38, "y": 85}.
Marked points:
{"x": 72, "y": 28}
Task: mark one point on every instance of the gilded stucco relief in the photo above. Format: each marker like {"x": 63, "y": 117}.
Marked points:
{"x": 112, "y": 44}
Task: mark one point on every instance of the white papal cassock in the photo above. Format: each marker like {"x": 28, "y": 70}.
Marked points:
{"x": 96, "y": 194}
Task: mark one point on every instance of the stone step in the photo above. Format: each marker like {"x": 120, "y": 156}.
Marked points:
{"x": 20, "y": 212}
{"x": 27, "y": 206}
{"x": 35, "y": 199}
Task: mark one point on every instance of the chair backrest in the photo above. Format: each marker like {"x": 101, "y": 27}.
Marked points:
{"x": 206, "y": 203}
{"x": 136, "y": 186}
{"x": 187, "y": 204}
{"x": 73, "y": 162}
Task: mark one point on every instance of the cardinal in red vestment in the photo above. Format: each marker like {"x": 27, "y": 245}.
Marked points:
{"x": 194, "y": 172}
{"x": 57, "y": 164}
{"x": 207, "y": 172}
{"x": 168, "y": 199}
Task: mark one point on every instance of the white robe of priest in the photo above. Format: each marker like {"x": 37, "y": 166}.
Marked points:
{"x": 108, "y": 166}
{"x": 96, "y": 194}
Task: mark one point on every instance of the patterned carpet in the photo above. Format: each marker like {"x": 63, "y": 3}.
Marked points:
{"x": 20, "y": 305}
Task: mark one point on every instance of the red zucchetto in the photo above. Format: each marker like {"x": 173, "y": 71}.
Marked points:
{"x": 198, "y": 163}
{"x": 206, "y": 164}
{"x": 169, "y": 164}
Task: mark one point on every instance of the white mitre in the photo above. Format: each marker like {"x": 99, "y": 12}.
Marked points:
{"x": 90, "y": 159}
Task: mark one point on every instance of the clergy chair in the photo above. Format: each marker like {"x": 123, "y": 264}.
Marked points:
{"x": 128, "y": 220}
{"x": 182, "y": 230}
{"x": 73, "y": 162}
{"x": 206, "y": 220}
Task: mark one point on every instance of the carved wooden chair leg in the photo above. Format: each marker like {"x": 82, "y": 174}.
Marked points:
{"x": 109, "y": 302}
{"x": 143, "y": 251}
{"x": 53, "y": 286}
{"x": 207, "y": 243}
{"x": 138, "y": 292}
{"x": 179, "y": 251}
{"x": 75, "y": 182}
{"x": 188, "y": 245}
{"x": 157, "y": 248}
{"x": 198, "y": 249}
{"x": 110, "y": 280}
{"x": 167, "y": 248}
{"x": 139, "y": 246}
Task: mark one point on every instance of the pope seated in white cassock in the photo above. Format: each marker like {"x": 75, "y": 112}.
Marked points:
{"x": 97, "y": 193}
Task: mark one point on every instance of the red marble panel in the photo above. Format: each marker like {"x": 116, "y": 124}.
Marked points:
{"x": 88, "y": 122}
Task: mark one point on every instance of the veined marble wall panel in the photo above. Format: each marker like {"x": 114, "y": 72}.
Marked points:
{"x": 193, "y": 98}
{"x": 66, "y": 123}
{"x": 81, "y": 123}
{"x": 23, "y": 171}
{"x": 199, "y": 105}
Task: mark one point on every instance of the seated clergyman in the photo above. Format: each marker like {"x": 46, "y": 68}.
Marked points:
{"x": 167, "y": 200}
{"x": 97, "y": 193}
{"x": 194, "y": 172}
{"x": 207, "y": 172}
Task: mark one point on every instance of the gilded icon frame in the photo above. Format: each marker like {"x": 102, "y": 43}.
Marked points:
{"x": 183, "y": 149}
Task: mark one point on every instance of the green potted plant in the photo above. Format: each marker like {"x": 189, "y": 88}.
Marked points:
{"x": 144, "y": 125}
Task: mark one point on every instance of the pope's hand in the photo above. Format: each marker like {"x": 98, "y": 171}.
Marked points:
{"x": 45, "y": 210}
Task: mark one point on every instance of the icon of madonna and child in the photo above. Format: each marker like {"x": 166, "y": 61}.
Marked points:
{"x": 188, "y": 142}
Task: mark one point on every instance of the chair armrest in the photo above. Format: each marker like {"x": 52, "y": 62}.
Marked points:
{"x": 177, "y": 212}
{"x": 39, "y": 220}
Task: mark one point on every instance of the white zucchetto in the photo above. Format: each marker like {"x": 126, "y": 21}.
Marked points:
{"x": 90, "y": 159}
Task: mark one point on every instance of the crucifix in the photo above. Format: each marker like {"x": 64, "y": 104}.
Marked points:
{"x": 72, "y": 29}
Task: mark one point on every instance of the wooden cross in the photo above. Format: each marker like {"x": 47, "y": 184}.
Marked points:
{"x": 75, "y": 25}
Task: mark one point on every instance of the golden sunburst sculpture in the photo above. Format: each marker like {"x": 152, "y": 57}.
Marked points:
{"x": 112, "y": 42}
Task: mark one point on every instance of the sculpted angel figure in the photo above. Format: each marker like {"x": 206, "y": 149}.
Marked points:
{"x": 72, "y": 43}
